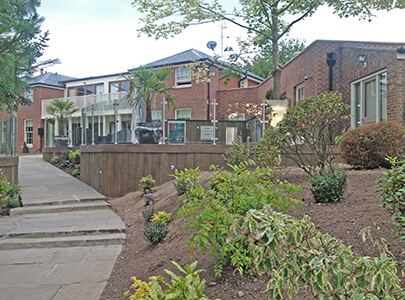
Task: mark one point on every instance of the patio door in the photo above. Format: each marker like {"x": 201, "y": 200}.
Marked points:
{"x": 369, "y": 100}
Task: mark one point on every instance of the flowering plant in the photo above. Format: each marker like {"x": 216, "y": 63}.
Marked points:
{"x": 146, "y": 184}
{"x": 149, "y": 199}
{"x": 161, "y": 217}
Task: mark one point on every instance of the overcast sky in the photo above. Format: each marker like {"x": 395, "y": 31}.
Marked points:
{"x": 99, "y": 37}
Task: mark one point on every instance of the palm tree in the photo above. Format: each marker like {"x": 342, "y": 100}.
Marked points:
{"x": 146, "y": 83}
{"x": 61, "y": 110}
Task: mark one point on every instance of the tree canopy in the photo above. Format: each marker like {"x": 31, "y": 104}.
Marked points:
{"x": 21, "y": 45}
{"x": 266, "y": 18}
{"x": 61, "y": 110}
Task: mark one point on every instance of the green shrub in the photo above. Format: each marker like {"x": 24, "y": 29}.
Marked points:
{"x": 148, "y": 212}
{"x": 186, "y": 183}
{"x": 295, "y": 255}
{"x": 392, "y": 189}
{"x": 76, "y": 171}
{"x": 146, "y": 184}
{"x": 189, "y": 287}
{"x": 369, "y": 146}
{"x": 231, "y": 196}
{"x": 155, "y": 232}
{"x": 161, "y": 217}
{"x": 14, "y": 201}
{"x": 54, "y": 160}
{"x": 237, "y": 153}
{"x": 74, "y": 157}
{"x": 306, "y": 128}
{"x": 328, "y": 184}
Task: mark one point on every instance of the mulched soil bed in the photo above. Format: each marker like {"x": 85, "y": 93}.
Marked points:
{"x": 343, "y": 220}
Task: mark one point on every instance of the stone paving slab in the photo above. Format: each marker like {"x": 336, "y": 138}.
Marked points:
{"x": 60, "y": 208}
{"x": 56, "y": 273}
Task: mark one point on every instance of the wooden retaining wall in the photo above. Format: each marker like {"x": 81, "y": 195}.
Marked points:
{"x": 49, "y": 152}
{"x": 9, "y": 166}
{"x": 115, "y": 170}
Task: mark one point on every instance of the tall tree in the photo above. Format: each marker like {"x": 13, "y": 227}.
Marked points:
{"x": 21, "y": 45}
{"x": 165, "y": 18}
{"x": 61, "y": 110}
{"x": 256, "y": 54}
{"x": 146, "y": 84}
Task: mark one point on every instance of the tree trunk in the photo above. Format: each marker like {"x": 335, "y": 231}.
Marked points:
{"x": 276, "y": 95}
{"x": 148, "y": 114}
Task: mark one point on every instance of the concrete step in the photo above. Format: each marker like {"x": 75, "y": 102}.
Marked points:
{"x": 62, "y": 241}
{"x": 59, "y": 208}
{"x": 61, "y": 199}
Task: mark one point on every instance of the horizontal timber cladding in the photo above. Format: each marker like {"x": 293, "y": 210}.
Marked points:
{"x": 115, "y": 170}
{"x": 9, "y": 167}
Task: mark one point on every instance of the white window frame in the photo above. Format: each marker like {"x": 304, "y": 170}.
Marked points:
{"x": 182, "y": 109}
{"x": 29, "y": 132}
{"x": 298, "y": 88}
{"x": 362, "y": 81}
{"x": 184, "y": 78}
{"x": 157, "y": 112}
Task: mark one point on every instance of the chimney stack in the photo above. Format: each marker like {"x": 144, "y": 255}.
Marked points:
{"x": 42, "y": 71}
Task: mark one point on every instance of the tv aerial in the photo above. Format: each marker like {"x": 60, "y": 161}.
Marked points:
{"x": 211, "y": 45}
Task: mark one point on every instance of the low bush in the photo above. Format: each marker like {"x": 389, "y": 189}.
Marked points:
{"x": 155, "y": 232}
{"x": 146, "y": 184}
{"x": 237, "y": 153}
{"x": 369, "y": 146}
{"x": 55, "y": 160}
{"x": 231, "y": 196}
{"x": 74, "y": 157}
{"x": 161, "y": 217}
{"x": 148, "y": 212}
{"x": 186, "y": 182}
{"x": 293, "y": 254}
{"x": 189, "y": 287}
{"x": 149, "y": 199}
{"x": 328, "y": 184}
{"x": 392, "y": 188}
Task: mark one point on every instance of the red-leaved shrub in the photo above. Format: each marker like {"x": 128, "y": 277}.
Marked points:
{"x": 368, "y": 146}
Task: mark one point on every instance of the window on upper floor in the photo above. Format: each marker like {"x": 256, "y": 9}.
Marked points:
{"x": 369, "y": 99}
{"x": 183, "y": 114}
{"x": 28, "y": 132}
{"x": 183, "y": 76}
{"x": 86, "y": 90}
{"x": 119, "y": 86}
{"x": 30, "y": 95}
{"x": 156, "y": 115}
{"x": 237, "y": 117}
{"x": 300, "y": 92}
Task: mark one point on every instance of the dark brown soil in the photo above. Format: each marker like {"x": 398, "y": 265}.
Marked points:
{"x": 342, "y": 220}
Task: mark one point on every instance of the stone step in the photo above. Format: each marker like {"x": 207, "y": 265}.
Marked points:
{"x": 60, "y": 199}
{"x": 62, "y": 241}
{"x": 59, "y": 208}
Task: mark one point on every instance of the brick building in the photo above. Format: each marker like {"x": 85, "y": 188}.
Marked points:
{"x": 369, "y": 75}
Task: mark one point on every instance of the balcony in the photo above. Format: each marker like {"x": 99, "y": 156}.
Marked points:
{"x": 86, "y": 101}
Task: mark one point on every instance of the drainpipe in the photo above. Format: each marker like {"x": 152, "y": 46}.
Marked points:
{"x": 243, "y": 78}
{"x": 331, "y": 61}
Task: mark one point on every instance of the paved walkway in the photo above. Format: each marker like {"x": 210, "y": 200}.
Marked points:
{"x": 63, "y": 243}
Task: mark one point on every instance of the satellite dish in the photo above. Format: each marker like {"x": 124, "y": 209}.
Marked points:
{"x": 211, "y": 45}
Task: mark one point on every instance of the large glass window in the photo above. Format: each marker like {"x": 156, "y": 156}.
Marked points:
{"x": 369, "y": 99}
{"x": 29, "y": 130}
{"x": 183, "y": 114}
{"x": 121, "y": 86}
{"x": 183, "y": 76}
{"x": 156, "y": 115}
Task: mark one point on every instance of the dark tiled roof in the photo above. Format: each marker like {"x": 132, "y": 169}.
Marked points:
{"x": 51, "y": 79}
{"x": 189, "y": 56}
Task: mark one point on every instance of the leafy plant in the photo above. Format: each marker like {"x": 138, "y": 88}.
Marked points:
{"x": 189, "y": 287}
{"x": 392, "y": 188}
{"x": 74, "y": 157}
{"x": 294, "y": 254}
{"x": 161, "y": 217}
{"x": 149, "y": 199}
{"x": 76, "y": 171}
{"x": 306, "y": 128}
{"x": 54, "y": 160}
{"x": 155, "y": 232}
{"x": 148, "y": 212}
{"x": 146, "y": 184}
{"x": 369, "y": 146}
{"x": 237, "y": 153}
{"x": 61, "y": 110}
{"x": 328, "y": 184}
{"x": 186, "y": 183}
{"x": 231, "y": 196}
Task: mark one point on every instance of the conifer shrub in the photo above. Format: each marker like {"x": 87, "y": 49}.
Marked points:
{"x": 155, "y": 232}
{"x": 369, "y": 146}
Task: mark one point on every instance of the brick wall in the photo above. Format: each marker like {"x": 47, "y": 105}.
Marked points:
{"x": 34, "y": 112}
